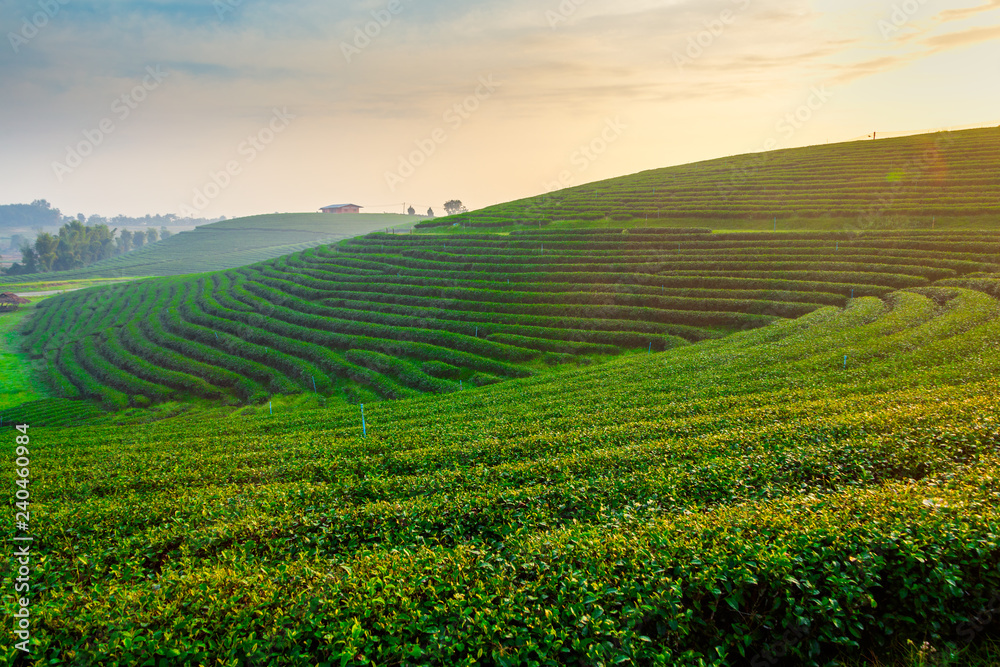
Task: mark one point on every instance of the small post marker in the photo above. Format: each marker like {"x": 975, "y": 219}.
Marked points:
{"x": 270, "y": 407}
{"x": 845, "y": 362}
{"x": 314, "y": 385}
{"x": 364, "y": 429}
{"x": 852, "y": 292}
{"x": 650, "y": 350}
{"x": 477, "y": 332}
{"x": 216, "y": 335}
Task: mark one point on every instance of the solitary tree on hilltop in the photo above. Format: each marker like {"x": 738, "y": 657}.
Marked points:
{"x": 454, "y": 206}
{"x": 430, "y": 212}
{"x": 411, "y": 211}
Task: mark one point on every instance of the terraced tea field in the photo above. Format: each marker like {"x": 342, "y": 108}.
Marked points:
{"x": 228, "y": 244}
{"x": 948, "y": 179}
{"x": 725, "y": 503}
{"x": 396, "y": 316}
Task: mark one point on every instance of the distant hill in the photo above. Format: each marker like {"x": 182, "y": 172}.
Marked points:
{"x": 947, "y": 179}
{"x": 24, "y": 217}
{"x": 232, "y": 243}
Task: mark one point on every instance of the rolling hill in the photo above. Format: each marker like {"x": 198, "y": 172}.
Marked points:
{"x": 612, "y": 441}
{"x": 228, "y": 244}
{"x": 391, "y": 316}
{"x": 945, "y": 180}
{"x": 717, "y": 504}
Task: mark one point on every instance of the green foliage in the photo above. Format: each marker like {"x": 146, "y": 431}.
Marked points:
{"x": 373, "y": 310}
{"x": 716, "y": 504}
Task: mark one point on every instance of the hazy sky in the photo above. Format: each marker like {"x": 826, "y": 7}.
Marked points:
{"x": 235, "y": 107}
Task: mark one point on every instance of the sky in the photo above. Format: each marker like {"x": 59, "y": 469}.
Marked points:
{"x": 213, "y": 108}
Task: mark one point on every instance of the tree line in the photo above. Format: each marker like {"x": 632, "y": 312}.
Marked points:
{"x": 77, "y": 245}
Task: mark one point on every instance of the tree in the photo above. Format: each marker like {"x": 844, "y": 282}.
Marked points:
{"x": 30, "y": 264}
{"x": 430, "y": 213}
{"x": 454, "y": 206}
{"x": 152, "y": 236}
{"x": 125, "y": 242}
{"x": 411, "y": 211}
{"x": 165, "y": 233}
{"x": 46, "y": 251}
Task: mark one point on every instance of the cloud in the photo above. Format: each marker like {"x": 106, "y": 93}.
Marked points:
{"x": 960, "y": 14}
{"x": 961, "y": 38}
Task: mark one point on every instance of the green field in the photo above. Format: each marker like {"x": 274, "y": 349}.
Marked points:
{"x": 559, "y": 438}
{"x": 392, "y": 316}
{"x": 17, "y": 383}
{"x": 228, "y": 244}
{"x": 695, "y": 506}
{"x": 942, "y": 181}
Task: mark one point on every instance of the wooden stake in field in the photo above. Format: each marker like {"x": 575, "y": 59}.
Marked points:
{"x": 364, "y": 429}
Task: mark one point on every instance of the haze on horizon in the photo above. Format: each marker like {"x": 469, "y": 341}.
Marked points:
{"x": 238, "y": 107}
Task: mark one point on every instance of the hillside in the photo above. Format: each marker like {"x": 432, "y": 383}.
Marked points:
{"x": 949, "y": 179}
{"x": 716, "y": 504}
{"x": 228, "y": 244}
{"x": 392, "y": 316}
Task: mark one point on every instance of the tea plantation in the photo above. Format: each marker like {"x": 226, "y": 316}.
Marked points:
{"x": 228, "y": 244}
{"x": 825, "y": 488}
{"x": 588, "y": 428}
{"x": 948, "y": 179}
{"x": 394, "y": 316}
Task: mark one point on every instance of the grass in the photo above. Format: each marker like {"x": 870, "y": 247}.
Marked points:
{"x": 18, "y": 384}
{"x": 685, "y": 507}
{"x": 228, "y": 244}
{"x": 28, "y": 288}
